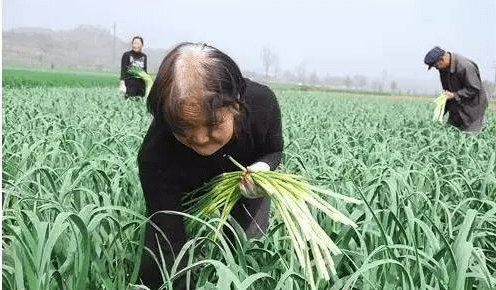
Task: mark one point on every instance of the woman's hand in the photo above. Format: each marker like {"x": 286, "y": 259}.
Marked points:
{"x": 247, "y": 187}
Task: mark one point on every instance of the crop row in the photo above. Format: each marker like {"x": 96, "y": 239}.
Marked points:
{"x": 23, "y": 78}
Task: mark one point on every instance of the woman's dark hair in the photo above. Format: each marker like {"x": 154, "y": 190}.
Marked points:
{"x": 191, "y": 69}
{"x": 138, "y": 37}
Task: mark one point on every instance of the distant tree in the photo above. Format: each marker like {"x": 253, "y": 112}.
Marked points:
{"x": 314, "y": 79}
{"x": 268, "y": 58}
{"x": 348, "y": 82}
{"x": 394, "y": 86}
{"x": 360, "y": 81}
{"x": 494, "y": 67}
{"x": 275, "y": 69}
{"x": 301, "y": 73}
{"x": 377, "y": 85}
{"x": 384, "y": 79}
{"x": 328, "y": 80}
{"x": 490, "y": 89}
{"x": 334, "y": 80}
{"x": 289, "y": 76}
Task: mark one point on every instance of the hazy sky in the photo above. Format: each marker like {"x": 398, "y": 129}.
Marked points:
{"x": 326, "y": 36}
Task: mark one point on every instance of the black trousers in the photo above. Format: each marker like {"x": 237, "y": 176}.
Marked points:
{"x": 251, "y": 214}
{"x": 134, "y": 87}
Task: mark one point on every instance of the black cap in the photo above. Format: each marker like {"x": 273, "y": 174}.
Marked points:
{"x": 433, "y": 56}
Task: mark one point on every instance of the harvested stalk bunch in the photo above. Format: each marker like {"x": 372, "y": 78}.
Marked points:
{"x": 291, "y": 195}
{"x": 440, "y": 102}
{"x": 139, "y": 73}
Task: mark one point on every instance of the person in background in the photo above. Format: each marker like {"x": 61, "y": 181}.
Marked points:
{"x": 132, "y": 86}
{"x": 203, "y": 111}
{"x": 461, "y": 82}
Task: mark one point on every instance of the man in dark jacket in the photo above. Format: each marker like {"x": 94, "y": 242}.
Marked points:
{"x": 461, "y": 82}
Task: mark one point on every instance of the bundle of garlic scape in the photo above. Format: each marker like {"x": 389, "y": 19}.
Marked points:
{"x": 291, "y": 194}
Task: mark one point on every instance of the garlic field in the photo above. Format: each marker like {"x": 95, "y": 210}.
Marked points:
{"x": 73, "y": 211}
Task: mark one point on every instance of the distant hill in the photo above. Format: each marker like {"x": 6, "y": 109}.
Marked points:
{"x": 85, "y": 47}
{"x": 94, "y": 48}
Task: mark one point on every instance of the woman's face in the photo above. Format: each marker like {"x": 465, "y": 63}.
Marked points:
{"x": 203, "y": 139}
{"x": 137, "y": 46}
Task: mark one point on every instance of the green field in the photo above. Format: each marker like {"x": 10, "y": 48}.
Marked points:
{"x": 73, "y": 206}
{"x": 29, "y": 77}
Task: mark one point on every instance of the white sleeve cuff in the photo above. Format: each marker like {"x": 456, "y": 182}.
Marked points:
{"x": 259, "y": 166}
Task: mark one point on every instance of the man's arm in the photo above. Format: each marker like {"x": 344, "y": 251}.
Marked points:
{"x": 472, "y": 87}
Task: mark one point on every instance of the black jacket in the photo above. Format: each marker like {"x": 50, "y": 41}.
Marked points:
{"x": 132, "y": 58}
